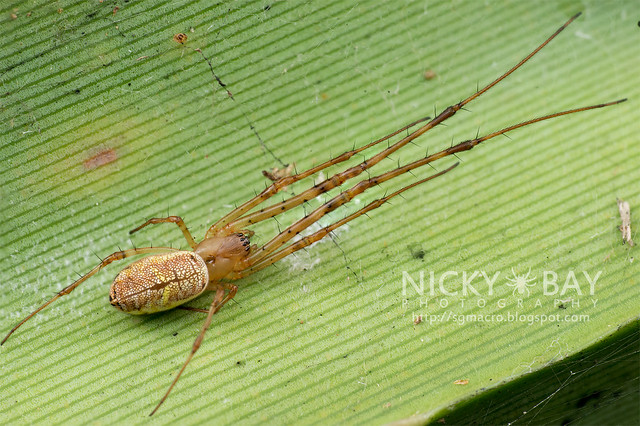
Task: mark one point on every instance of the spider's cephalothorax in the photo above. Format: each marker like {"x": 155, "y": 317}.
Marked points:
{"x": 224, "y": 254}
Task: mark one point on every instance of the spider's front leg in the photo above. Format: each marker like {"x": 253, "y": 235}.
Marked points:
{"x": 258, "y": 260}
{"x": 240, "y": 217}
{"x": 280, "y": 184}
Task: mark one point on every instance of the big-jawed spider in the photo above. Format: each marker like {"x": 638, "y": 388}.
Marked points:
{"x": 169, "y": 277}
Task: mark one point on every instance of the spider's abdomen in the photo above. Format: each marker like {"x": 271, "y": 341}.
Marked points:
{"x": 159, "y": 282}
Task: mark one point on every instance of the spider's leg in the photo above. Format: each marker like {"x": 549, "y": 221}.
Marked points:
{"x": 171, "y": 219}
{"x": 218, "y": 302}
{"x": 119, "y": 255}
{"x": 262, "y": 262}
{"x": 526, "y": 277}
{"x": 285, "y": 181}
{"x": 335, "y": 180}
{"x": 345, "y": 196}
{"x": 339, "y": 178}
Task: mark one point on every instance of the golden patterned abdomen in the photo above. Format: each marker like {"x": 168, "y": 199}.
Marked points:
{"x": 159, "y": 282}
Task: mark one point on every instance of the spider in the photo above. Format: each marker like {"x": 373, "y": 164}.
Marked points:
{"x": 521, "y": 282}
{"x": 169, "y": 277}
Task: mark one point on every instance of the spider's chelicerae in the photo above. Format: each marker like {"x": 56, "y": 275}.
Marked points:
{"x": 168, "y": 277}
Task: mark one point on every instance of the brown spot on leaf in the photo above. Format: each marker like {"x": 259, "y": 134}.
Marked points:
{"x": 103, "y": 157}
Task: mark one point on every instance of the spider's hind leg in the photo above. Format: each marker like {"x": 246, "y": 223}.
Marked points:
{"x": 113, "y": 257}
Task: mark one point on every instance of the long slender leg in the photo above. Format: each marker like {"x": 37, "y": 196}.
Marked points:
{"x": 345, "y": 196}
{"x": 339, "y": 178}
{"x": 283, "y": 182}
{"x": 218, "y": 302}
{"x": 119, "y": 255}
{"x": 318, "y": 235}
{"x": 171, "y": 219}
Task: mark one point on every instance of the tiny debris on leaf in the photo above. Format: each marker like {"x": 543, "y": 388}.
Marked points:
{"x": 275, "y": 173}
{"x": 625, "y": 217}
{"x": 180, "y": 38}
{"x": 417, "y": 252}
{"x": 429, "y": 75}
{"x": 418, "y": 320}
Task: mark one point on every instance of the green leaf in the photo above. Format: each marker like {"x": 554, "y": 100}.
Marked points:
{"x": 107, "y": 121}
{"x": 599, "y": 385}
